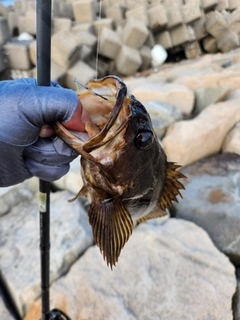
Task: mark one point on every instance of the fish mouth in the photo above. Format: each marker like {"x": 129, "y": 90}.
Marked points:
{"x": 108, "y": 105}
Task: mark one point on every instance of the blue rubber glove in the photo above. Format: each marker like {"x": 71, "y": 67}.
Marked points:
{"x": 24, "y": 109}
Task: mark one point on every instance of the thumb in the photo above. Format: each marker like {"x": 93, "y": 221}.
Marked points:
{"x": 78, "y": 120}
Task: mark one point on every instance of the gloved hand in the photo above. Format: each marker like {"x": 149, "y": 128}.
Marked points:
{"x": 24, "y": 109}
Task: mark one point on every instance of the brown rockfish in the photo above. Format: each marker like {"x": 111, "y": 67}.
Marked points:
{"x": 125, "y": 171}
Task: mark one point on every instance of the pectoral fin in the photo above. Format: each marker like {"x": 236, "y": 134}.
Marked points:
{"x": 111, "y": 226}
{"x": 171, "y": 186}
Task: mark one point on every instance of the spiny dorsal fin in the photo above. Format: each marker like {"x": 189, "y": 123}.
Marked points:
{"x": 171, "y": 186}
{"x": 111, "y": 226}
{"x": 157, "y": 213}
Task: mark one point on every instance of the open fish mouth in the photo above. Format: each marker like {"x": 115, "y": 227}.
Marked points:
{"x": 108, "y": 105}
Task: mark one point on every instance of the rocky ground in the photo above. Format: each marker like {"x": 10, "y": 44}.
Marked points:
{"x": 185, "y": 266}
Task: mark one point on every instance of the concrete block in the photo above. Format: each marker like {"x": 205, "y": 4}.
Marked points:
{"x": 146, "y": 56}
{"x": 139, "y": 13}
{"x": 122, "y": 3}
{"x": 61, "y": 24}
{"x": 234, "y": 4}
{"x": 84, "y": 11}
{"x": 190, "y": 12}
{"x": 113, "y": 70}
{"x": 57, "y": 72}
{"x": 135, "y": 33}
{"x": 208, "y": 4}
{"x": 192, "y": 50}
{"x": 55, "y": 9}
{"x": 99, "y": 24}
{"x": 109, "y": 43}
{"x": 234, "y": 21}
{"x": 174, "y": 16}
{"x": 157, "y": 17}
{"x": 222, "y": 5}
{"x": 101, "y": 66}
{"x": 210, "y": 44}
{"x": 116, "y": 13}
{"x": 18, "y": 74}
{"x": 4, "y": 30}
{"x": 215, "y": 24}
{"x": 228, "y": 41}
{"x": 29, "y": 5}
{"x": 65, "y": 10}
{"x": 81, "y": 71}
{"x": 83, "y": 27}
{"x": 199, "y": 27}
{"x": 18, "y": 54}
{"x": 128, "y": 61}
{"x": 181, "y": 35}
{"x": 3, "y": 10}
{"x": 150, "y": 41}
{"x": 30, "y": 22}
{"x": 164, "y": 39}
{"x": 85, "y": 38}
{"x": 173, "y": 3}
{"x": 13, "y": 18}
{"x": 33, "y": 52}
{"x": 17, "y": 5}
{"x": 131, "y": 4}
{"x": 197, "y": 2}
{"x": 226, "y": 14}
{"x": 86, "y": 53}
{"x": 64, "y": 50}
{"x": 3, "y": 60}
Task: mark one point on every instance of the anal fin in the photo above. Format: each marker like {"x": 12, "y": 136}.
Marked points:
{"x": 157, "y": 213}
{"x": 111, "y": 226}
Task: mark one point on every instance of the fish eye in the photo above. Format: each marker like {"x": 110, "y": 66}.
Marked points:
{"x": 144, "y": 140}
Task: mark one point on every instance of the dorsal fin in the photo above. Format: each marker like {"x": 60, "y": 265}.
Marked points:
{"x": 111, "y": 226}
{"x": 171, "y": 186}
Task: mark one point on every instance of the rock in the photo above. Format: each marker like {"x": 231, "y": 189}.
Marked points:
{"x": 12, "y": 196}
{"x": 215, "y": 79}
{"x": 236, "y": 298}
{"x": 188, "y": 141}
{"x": 210, "y": 95}
{"x": 4, "y": 312}
{"x": 164, "y": 272}
{"x": 19, "y": 245}
{"x": 211, "y": 200}
{"x": 176, "y": 95}
{"x": 162, "y": 116}
{"x": 231, "y": 142}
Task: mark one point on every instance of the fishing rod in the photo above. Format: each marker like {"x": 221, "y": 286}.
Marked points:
{"x": 43, "y": 14}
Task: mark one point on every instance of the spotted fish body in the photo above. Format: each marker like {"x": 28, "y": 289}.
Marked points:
{"x": 125, "y": 171}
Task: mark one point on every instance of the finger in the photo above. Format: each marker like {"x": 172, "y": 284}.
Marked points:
{"x": 78, "y": 120}
{"x": 46, "y": 131}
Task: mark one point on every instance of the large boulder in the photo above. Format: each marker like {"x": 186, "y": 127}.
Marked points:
{"x": 169, "y": 271}
{"x": 211, "y": 199}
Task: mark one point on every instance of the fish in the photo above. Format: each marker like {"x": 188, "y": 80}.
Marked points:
{"x": 125, "y": 171}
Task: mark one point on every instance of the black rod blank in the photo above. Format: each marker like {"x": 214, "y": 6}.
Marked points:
{"x": 44, "y": 8}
